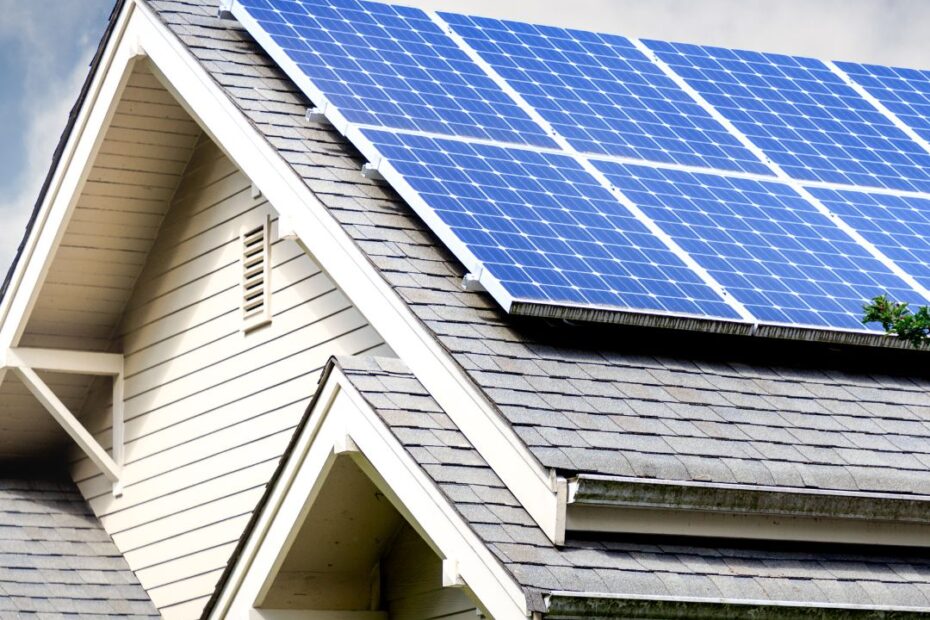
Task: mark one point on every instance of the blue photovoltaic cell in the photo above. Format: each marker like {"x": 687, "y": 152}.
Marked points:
{"x": 803, "y": 116}
{"x": 899, "y": 226}
{"x": 390, "y": 66}
{"x": 545, "y": 228}
{"x": 550, "y": 233}
{"x": 906, "y": 92}
{"x": 768, "y": 246}
{"x": 604, "y": 95}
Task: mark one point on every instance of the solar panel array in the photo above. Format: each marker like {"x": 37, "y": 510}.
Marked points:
{"x": 577, "y": 171}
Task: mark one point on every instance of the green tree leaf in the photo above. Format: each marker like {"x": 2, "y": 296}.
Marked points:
{"x": 897, "y": 319}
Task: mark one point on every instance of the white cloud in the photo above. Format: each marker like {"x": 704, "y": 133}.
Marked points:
{"x": 46, "y": 121}
{"x": 881, "y": 31}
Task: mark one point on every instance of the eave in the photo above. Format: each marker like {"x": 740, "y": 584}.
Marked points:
{"x": 612, "y": 504}
{"x": 570, "y": 605}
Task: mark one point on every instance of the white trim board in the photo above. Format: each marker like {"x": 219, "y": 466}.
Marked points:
{"x": 342, "y": 423}
{"x": 751, "y": 325}
{"x": 350, "y": 268}
{"x": 139, "y": 32}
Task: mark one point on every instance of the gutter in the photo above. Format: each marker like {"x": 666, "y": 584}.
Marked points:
{"x": 607, "y": 491}
{"x": 570, "y": 606}
{"x": 614, "y": 505}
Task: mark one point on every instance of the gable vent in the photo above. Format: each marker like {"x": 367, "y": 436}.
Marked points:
{"x": 256, "y": 275}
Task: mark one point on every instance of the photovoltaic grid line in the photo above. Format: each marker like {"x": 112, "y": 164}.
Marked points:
{"x": 541, "y": 226}
{"x": 780, "y": 173}
{"x": 802, "y": 115}
{"x": 839, "y": 275}
{"x": 848, "y": 322}
{"x": 524, "y": 145}
{"x": 282, "y": 56}
{"x": 906, "y": 92}
{"x": 603, "y": 95}
{"x": 771, "y": 248}
{"x": 898, "y": 225}
{"x": 619, "y": 159}
{"x": 423, "y": 81}
{"x": 591, "y": 169}
{"x": 879, "y": 105}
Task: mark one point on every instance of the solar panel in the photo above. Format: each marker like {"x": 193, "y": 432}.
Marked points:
{"x": 568, "y": 171}
{"x": 544, "y": 228}
{"x": 604, "y": 95}
{"x": 768, "y": 246}
{"x": 898, "y": 225}
{"x": 388, "y": 66}
{"x": 803, "y": 116}
{"x": 906, "y": 92}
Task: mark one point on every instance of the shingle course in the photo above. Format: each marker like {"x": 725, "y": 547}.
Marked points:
{"x": 55, "y": 557}
{"x": 759, "y": 411}
{"x": 617, "y": 566}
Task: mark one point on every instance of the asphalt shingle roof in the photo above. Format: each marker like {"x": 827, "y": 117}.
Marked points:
{"x": 56, "y": 560}
{"x": 650, "y": 569}
{"x": 603, "y": 408}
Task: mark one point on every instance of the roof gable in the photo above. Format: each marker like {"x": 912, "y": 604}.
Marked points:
{"x": 640, "y": 405}
{"x": 598, "y": 576}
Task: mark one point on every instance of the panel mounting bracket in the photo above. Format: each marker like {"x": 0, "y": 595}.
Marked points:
{"x": 471, "y": 283}
{"x": 316, "y": 115}
{"x": 370, "y": 171}
{"x": 224, "y": 10}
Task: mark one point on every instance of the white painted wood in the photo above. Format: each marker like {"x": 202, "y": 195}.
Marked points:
{"x": 206, "y": 411}
{"x": 66, "y": 419}
{"x": 290, "y": 614}
{"x": 118, "y": 432}
{"x": 341, "y": 410}
{"x": 179, "y": 592}
{"x": 347, "y": 264}
{"x": 665, "y": 522}
{"x": 184, "y": 611}
{"x": 418, "y": 585}
{"x": 80, "y": 362}
{"x": 167, "y": 572}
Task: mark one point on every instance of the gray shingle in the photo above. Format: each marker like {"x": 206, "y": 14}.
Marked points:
{"x": 638, "y": 569}
{"x": 55, "y": 557}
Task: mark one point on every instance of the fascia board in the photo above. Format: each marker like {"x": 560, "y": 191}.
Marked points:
{"x": 610, "y": 504}
{"x": 321, "y": 235}
{"x": 339, "y": 414}
{"x": 577, "y": 605}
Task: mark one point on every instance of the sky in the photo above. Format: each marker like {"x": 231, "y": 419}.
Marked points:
{"x": 46, "y": 45}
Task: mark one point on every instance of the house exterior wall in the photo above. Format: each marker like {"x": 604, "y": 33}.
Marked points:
{"x": 411, "y": 583}
{"x": 209, "y": 409}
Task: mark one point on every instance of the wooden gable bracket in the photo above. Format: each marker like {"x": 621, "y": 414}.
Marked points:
{"x": 26, "y": 361}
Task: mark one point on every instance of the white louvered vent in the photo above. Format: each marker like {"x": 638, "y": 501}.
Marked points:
{"x": 256, "y": 275}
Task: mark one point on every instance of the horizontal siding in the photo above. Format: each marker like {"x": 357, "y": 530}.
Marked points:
{"x": 208, "y": 409}
{"x": 125, "y": 196}
{"x": 411, "y": 583}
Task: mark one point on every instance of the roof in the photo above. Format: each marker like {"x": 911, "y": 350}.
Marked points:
{"x": 625, "y": 402}
{"x": 56, "y": 560}
{"x": 675, "y": 576}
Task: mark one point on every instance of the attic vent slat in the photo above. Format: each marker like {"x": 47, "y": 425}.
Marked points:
{"x": 255, "y": 243}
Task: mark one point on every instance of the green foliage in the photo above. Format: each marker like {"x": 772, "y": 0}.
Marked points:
{"x": 898, "y": 320}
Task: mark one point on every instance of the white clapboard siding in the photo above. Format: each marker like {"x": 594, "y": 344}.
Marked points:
{"x": 411, "y": 583}
{"x": 208, "y": 409}
{"x": 176, "y": 594}
{"x": 188, "y": 609}
{"x": 167, "y": 572}
{"x": 136, "y": 516}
